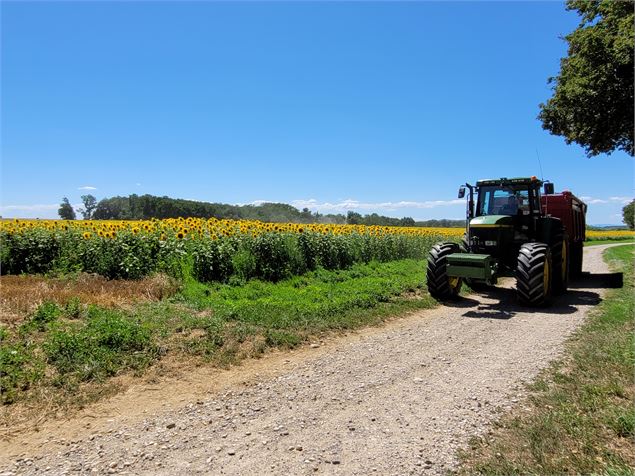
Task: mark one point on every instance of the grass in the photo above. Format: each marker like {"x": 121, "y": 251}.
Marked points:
{"x": 581, "y": 418}
{"x": 21, "y": 295}
{"x": 67, "y": 352}
{"x": 608, "y": 241}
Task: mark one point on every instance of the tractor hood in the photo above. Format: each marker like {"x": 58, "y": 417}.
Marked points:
{"x": 490, "y": 221}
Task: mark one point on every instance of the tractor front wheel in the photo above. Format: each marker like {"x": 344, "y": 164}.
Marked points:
{"x": 440, "y": 285}
{"x": 534, "y": 274}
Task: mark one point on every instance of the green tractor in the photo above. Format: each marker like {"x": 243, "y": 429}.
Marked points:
{"x": 508, "y": 233}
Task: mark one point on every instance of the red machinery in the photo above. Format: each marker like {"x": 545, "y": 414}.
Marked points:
{"x": 571, "y": 211}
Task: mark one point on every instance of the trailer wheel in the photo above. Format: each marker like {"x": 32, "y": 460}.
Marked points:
{"x": 440, "y": 285}
{"x": 560, "y": 260}
{"x": 534, "y": 274}
{"x": 575, "y": 268}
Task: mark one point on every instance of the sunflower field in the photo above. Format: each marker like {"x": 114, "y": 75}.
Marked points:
{"x": 209, "y": 249}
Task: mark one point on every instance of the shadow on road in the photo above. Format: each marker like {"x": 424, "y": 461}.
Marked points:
{"x": 599, "y": 281}
{"x": 506, "y": 305}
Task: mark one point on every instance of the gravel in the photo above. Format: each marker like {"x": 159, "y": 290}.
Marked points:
{"x": 399, "y": 399}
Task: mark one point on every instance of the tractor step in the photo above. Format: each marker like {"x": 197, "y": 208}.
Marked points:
{"x": 475, "y": 266}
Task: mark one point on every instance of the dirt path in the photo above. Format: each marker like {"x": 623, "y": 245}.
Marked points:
{"x": 399, "y": 399}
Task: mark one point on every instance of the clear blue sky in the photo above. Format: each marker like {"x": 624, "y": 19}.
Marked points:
{"x": 376, "y": 107}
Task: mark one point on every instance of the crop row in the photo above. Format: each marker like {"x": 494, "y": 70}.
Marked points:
{"x": 211, "y": 250}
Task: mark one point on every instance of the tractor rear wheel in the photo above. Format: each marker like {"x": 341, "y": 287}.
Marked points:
{"x": 576, "y": 259}
{"x": 560, "y": 260}
{"x": 534, "y": 274}
{"x": 440, "y": 285}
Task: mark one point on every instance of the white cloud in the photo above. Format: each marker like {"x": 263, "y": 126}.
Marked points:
{"x": 622, "y": 200}
{"x": 28, "y": 208}
{"x": 593, "y": 201}
{"x": 87, "y": 187}
{"x": 596, "y": 201}
{"x": 350, "y": 204}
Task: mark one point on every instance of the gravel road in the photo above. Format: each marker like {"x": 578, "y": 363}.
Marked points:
{"x": 398, "y": 399}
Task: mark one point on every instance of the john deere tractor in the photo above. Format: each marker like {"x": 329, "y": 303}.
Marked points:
{"x": 507, "y": 234}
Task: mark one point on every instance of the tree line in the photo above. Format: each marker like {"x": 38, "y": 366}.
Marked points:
{"x": 145, "y": 207}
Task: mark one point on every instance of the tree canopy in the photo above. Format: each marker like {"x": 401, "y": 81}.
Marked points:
{"x": 592, "y": 102}
{"x": 143, "y": 207}
{"x": 66, "y": 211}
{"x": 628, "y": 214}
{"x": 90, "y": 204}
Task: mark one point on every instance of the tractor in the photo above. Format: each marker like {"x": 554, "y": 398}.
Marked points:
{"x": 512, "y": 230}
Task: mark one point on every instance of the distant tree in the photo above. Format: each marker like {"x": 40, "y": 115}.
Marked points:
{"x": 66, "y": 211}
{"x": 407, "y": 221}
{"x": 628, "y": 214}
{"x": 592, "y": 101}
{"x": 306, "y": 216}
{"x": 353, "y": 218}
{"x": 90, "y": 203}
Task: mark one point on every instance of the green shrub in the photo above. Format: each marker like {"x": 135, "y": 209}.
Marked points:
{"x": 30, "y": 251}
{"x": 19, "y": 369}
{"x": 45, "y": 314}
{"x": 108, "y": 342}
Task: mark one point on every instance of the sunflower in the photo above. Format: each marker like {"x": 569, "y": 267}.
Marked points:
{"x": 86, "y": 235}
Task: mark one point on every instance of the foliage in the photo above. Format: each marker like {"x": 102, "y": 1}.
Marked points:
{"x": 19, "y": 370}
{"x": 592, "y": 101}
{"x": 66, "y": 211}
{"x": 90, "y": 204}
{"x": 596, "y": 235}
{"x": 223, "y": 322}
{"x": 145, "y": 207}
{"x": 628, "y": 214}
{"x": 108, "y": 342}
{"x": 216, "y": 250}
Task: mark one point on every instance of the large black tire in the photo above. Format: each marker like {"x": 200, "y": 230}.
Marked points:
{"x": 560, "y": 260}
{"x": 464, "y": 245}
{"x": 440, "y": 285}
{"x": 533, "y": 274}
{"x": 576, "y": 252}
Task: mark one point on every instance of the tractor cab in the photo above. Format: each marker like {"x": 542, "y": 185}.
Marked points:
{"x": 515, "y": 197}
{"x": 503, "y": 217}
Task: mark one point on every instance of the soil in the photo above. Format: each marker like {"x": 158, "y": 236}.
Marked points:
{"x": 397, "y": 399}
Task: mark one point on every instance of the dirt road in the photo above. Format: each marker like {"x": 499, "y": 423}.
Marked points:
{"x": 399, "y": 399}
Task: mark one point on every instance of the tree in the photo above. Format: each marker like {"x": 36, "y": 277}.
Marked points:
{"x": 90, "y": 203}
{"x": 66, "y": 211}
{"x": 592, "y": 102}
{"x": 353, "y": 218}
{"x": 628, "y": 214}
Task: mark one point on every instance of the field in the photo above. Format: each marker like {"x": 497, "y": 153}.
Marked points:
{"x": 210, "y": 250}
{"x": 85, "y": 301}
{"x": 89, "y": 301}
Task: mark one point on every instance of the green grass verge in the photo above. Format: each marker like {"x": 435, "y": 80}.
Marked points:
{"x": 581, "y": 418}
{"x": 608, "y": 242}
{"x": 60, "y": 349}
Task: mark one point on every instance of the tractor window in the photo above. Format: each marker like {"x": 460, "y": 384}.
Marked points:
{"x": 503, "y": 201}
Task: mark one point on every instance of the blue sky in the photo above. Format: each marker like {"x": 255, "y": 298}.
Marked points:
{"x": 375, "y": 107}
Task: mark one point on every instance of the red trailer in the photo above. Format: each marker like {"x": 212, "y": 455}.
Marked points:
{"x": 572, "y": 211}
